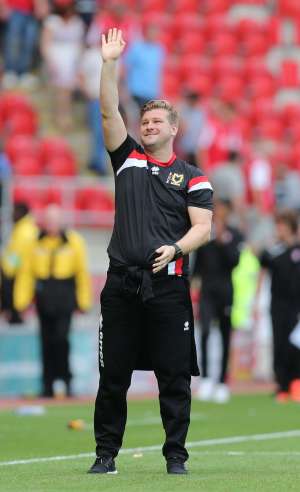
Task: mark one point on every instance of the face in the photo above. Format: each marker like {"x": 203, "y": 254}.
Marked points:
{"x": 53, "y": 220}
{"x": 156, "y": 129}
{"x": 221, "y": 212}
{"x": 283, "y": 231}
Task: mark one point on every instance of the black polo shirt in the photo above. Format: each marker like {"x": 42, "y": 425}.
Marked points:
{"x": 152, "y": 200}
{"x": 283, "y": 263}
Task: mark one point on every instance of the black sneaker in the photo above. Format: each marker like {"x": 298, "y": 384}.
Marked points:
{"x": 176, "y": 466}
{"x": 104, "y": 464}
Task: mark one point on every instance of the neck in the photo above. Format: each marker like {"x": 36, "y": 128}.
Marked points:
{"x": 162, "y": 155}
{"x": 290, "y": 240}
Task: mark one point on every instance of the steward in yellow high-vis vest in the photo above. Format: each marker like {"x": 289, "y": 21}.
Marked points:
{"x": 23, "y": 233}
{"x": 55, "y": 274}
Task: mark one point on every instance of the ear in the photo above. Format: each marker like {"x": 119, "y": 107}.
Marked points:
{"x": 174, "y": 130}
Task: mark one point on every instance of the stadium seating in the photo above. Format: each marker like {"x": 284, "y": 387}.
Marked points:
{"x": 27, "y": 166}
{"x": 61, "y": 165}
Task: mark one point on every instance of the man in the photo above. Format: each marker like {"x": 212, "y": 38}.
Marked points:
{"x": 283, "y": 263}
{"x": 214, "y": 264}
{"x": 23, "y": 233}
{"x": 163, "y": 211}
{"x": 55, "y": 273}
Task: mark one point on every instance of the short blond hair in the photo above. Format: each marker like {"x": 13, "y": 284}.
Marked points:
{"x": 173, "y": 115}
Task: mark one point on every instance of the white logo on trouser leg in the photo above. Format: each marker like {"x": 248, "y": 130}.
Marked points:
{"x": 101, "y": 361}
{"x": 186, "y": 326}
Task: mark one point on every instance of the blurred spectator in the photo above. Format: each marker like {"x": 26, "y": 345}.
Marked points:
{"x": 21, "y": 40}
{"x": 192, "y": 121}
{"x": 115, "y": 14}
{"x": 86, "y": 9}
{"x": 55, "y": 273}
{"x": 283, "y": 263}
{"x": 214, "y": 264}
{"x": 144, "y": 63}
{"x": 260, "y": 179}
{"x": 220, "y": 135}
{"x": 13, "y": 257}
{"x": 89, "y": 81}
{"x": 228, "y": 181}
{"x": 5, "y": 169}
{"x": 62, "y": 44}
{"x": 286, "y": 187}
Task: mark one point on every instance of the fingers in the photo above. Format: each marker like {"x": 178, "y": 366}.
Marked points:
{"x": 115, "y": 35}
{"x": 103, "y": 38}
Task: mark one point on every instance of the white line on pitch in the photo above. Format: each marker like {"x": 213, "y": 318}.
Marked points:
{"x": 157, "y": 447}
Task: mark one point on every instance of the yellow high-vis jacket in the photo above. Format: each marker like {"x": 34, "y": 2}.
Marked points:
{"x": 22, "y": 236}
{"x": 55, "y": 273}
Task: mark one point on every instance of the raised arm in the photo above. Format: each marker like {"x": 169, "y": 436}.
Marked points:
{"x": 113, "y": 125}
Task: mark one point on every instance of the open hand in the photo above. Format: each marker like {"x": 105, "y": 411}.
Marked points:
{"x": 166, "y": 254}
{"x": 112, "y": 44}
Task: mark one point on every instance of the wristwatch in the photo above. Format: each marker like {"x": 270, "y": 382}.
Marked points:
{"x": 178, "y": 252}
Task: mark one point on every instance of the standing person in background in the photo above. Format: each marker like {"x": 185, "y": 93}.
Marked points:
{"x": 21, "y": 40}
{"x": 143, "y": 64}
{"x": 55, "y": 274}
{"x": 61, "y": 47}
{"x": 282, "y": 261}
{"x": 193, "y": 120}
{"x": 214, "y": 264}
{"x": 23, "y": 233}
{"x": 89, "y": 82}
{"x": 163, "y": 212}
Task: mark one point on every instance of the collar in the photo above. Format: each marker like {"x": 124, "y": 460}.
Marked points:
{"x": 152, "y": 160}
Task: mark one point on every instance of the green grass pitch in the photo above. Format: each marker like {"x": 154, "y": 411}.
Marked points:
{"x": 266, "y": 463}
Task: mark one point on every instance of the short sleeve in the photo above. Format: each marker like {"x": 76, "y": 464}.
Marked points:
{"x": 199, "y": 191}
{"x": 265, "y": 259}
{"x": 119, "y": 156}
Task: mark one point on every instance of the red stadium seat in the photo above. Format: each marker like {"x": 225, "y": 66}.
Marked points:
{"x": 231, "y": 88}
{"x": 256, "y": 44}
{"x": 52, "y": 195}
{"x": 215, "y": 24}
{"x": 94, "y": 198}
{"x": 184, "y": 6}
{"x": 193, "y": 65}
{"x": 166, "y": 38}
{"x": 289, "y": 74}
{"x": 11, "y": 103}
{"x": 22, "y": 123}
{"x": 31, "y": 195}
{"x": 161, "y": 20}
{"x": 263, "y": 86}
{"x": 27, "y": 166}
{"x": 61, "y": 166}
{"x": 290, "y": 113}
{"x": 224, "y": 43}
{"x": 254, "y": 66}
{"x": 225, "y": 65}
{"x": 217, "y": 6}
{"x": 201, "y": 83}
{"x": 171, "y": 86}
{"x": 289, "y": 8}
{"x": 21, "y": 146}
{"x": 172, "y": 66}
{"x": 153, "y": 6}
{"x": 246, "y": 27}
{"x": 271, "y": 128}
{"x": 52, "y": 147}
{"x": 192, "y": 43}
{"x": 186, "y": 22}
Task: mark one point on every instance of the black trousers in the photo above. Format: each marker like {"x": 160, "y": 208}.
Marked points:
{"x": 55, "y": 349}
{"x": 286, "y": 357}
{"x": 134, "y": 334}
{"x": 214, "y": 307}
